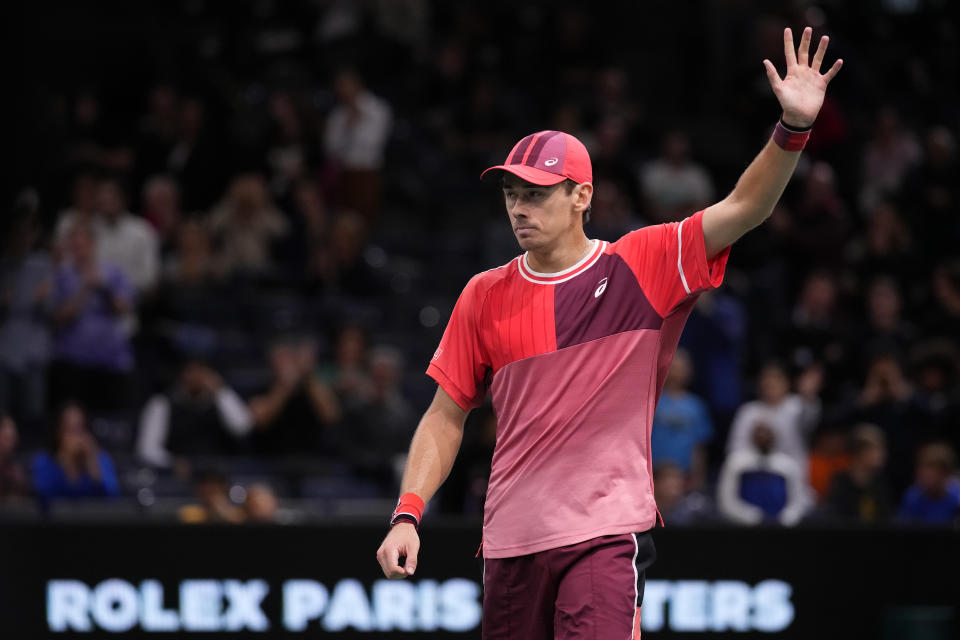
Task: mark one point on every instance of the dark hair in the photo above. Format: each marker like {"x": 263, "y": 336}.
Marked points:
{"x": 569, "y": 185}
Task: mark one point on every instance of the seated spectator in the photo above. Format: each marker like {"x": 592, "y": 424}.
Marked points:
{"x": 889, "y": 155}
{"x": 861, "y": 493}
{"x": 93, "y": 355}
{"x": 192, "y": 263}
{"x": 934, "y": 497}
{"x": 261, "y": 505}
{"x": 14, "y": 484}
{"x": 200, "y": 415}
{"x": 75, "y": 467}
{"x": 791, "y": 416}
{"x": 245, "y": 227}
{"x": 214, "y": 505}
{"x": 681, "y": 424}
{"x": 349, "y": 372}
{"x": 26, "y": 306}
{"x": 760, "y": 484}
{"x": 676, "y": 504}
{"x": 886, "y": 330}
{"x": 673, "y": 184}
{"x": 379, "y": 425}
{"x": 294, "y": 414}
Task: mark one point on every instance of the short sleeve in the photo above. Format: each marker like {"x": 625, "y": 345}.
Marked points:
{"x": 459, "y": 365}
{"x": 670, "y": 261}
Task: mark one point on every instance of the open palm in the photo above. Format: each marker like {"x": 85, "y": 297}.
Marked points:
{"x": 801, "y": 92}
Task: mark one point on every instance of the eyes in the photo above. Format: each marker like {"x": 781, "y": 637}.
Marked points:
{"x": 532, "y": 195}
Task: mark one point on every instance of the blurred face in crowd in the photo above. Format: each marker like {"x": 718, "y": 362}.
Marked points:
{"x": 669, "y": 485}
{"x": 8, "y": 436}
{"x": 248, "y": 196}
{"x": 211, "y": 490}
{"x": 347, "y": 87}
{"x": 110, "y": 200}
{"x": 162, "y": 198}
{"x": 542, "y": 216}
{"x": 74, "y": 438}
{"x": 934, "y": 468}
{"x": 681, "y": 370}
{"x": 351, "y": 347}
{"x": 774, "y": 384}
{"x": 261, "y": 504}
{"x": 84, "y": 197}
{"x": 818, "y": 297}
{"x": 385, "y": 369}
{"x": 884, "y": 304}
{"x": 81, "y": 244}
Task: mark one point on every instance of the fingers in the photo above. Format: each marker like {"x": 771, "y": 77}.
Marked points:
{"x": 833, "y": 70}
{"x": 788, "y": 49}
{"x": 803, "y": 55}
{"x": 821, "y": 51}
{"x": 411, "y": 564}
{"x": 389, "y": 558}
{"x": 772, "y": 75}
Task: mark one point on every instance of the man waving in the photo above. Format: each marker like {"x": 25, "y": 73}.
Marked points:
{"x": 573, "y": 339}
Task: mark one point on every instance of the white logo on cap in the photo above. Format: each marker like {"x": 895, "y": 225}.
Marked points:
{"x": 551, "y": 162}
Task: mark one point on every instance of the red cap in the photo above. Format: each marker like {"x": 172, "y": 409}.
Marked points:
{"x": 548, "y": 157}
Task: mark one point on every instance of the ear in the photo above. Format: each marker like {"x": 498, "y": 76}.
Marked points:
{"x": 582, "y": 196}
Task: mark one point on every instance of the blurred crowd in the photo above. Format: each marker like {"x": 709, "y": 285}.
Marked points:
{"x": 239, "y": 233}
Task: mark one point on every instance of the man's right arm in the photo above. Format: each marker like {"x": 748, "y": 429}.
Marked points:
{"x": 432, "y": 452}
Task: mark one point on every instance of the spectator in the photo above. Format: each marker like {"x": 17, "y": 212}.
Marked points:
{"x": 934, "y": 497}
{"x": 92, "y": 350}
{"x": 14, "y": 484}
{"x": 82, "y": 208}
{"x": 888, "y": 156}
{"x": 355, "y": 138}
{"x": 295, "y": 414}
{"x": 791, "y": 416}
{"x": 816, "y": 331}
{"x": 26, "y": 306}
{"x": 611, "y": 213}
{"x": 673, "y": 184}
{"x": 860, "y": 493}
{"x": 200, "y": 415}
{"x": 75, "y": 467}
{"x": 349, "y": 372}
{"x": 379, "y": 424}
{"x": 886, "y": 330}
{"x": 192, "y": 264}
{"x": 759, "y": 484}
{"x": 342, "y": 268}
{"x": 887, "y": 400}
{"x": 161, "y": 208}
{"x": 677, "y": 504}
{"x": 214, "y": 502}
{"x": 261, "y": 505}
{"x": 817, "y": 231}
{"x": 886, "y": 247}
{"x": 124, "y": 239}
{"x": 933, "y": 192}
{"x": 681, "y": 424}
{"x": 246, "y": 226}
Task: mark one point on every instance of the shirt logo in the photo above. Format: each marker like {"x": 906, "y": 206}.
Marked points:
{"x": 551, "y": 162}
{"x": 600, "y": 289}
{"x": 436, "y": 354}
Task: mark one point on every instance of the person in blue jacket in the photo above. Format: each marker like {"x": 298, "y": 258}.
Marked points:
{"x": 75, "y": 467}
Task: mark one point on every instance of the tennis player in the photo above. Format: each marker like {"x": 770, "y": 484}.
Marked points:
{"x": 573, "y": 340}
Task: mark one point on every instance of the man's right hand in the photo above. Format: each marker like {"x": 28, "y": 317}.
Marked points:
{"x": 402, "y": 540}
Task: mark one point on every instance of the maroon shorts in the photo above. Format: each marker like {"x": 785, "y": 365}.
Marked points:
{"x": 592, "y": 589}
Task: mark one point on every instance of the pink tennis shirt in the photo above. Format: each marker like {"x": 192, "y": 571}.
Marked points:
{"x": 575, "y": 362}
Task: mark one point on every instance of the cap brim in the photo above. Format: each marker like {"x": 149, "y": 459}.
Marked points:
{"x": 530, "y": 174}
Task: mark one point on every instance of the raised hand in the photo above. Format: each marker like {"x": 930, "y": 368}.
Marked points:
{"x": 801, "y": 91}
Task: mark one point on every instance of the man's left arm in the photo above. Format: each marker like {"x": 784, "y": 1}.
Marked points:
{"x": 800, "y": 94}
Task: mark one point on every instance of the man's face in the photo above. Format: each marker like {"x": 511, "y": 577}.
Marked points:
{"x": 539, "y": 215}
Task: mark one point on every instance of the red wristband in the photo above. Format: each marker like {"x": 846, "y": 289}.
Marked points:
{"x": 789, "y": 139}
{"x": 409, "y": 506}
